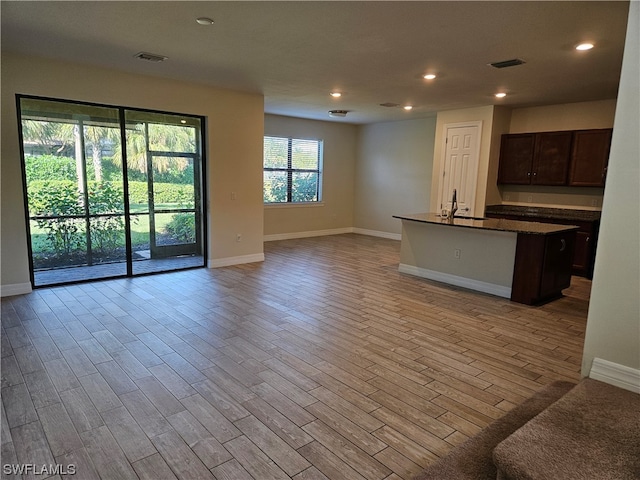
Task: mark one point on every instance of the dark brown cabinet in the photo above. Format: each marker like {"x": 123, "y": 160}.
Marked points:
{"x": 585, "y": 251}
{"x": 542, "y": 267}
{"x": 576, "y": 158}
{"x": 585, "y": 241}
{"x": 551, "y": 158}
{"x": 589, "y": 157}
{"x": 516, "y": 158}
{"x": 535, "y": 158}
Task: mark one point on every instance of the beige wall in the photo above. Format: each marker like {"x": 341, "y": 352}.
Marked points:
{"x": 393, "y": 174}
{"x": 501, "y": 124}
{"x": 613, "y": 324}
{"x": 335, "y": 212}
{"x": 482, "y": 114}
{"x": 570, "y": 116}
{"x": 235, "y": 123}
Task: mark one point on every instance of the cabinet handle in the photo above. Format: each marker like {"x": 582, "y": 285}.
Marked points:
{"x": 528, "y": 174}
{"x": 588, "y": 239}
{"x": 563, "y": 244}
{"x": 535, "y": 173}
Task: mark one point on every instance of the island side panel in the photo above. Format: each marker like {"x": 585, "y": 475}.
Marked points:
{"x": 486, "y": 262}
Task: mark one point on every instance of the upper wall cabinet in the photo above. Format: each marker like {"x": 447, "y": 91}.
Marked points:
{"x": 551, "y": 158}
{"x": 535, "y": 158}
{"x": 589, "y": 157}
{"x": 516, "y": 158}
{"x": 577, "y": 158}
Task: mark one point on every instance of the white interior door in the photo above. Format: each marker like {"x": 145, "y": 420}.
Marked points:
{"x": 460, "y": 167}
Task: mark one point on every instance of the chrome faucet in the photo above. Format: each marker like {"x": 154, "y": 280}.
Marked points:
{"x": 454, "y": 204}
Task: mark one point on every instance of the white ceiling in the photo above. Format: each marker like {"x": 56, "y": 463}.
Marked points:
{"x": 296, "y": 52}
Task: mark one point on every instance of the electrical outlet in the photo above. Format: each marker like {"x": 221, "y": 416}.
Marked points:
{"x": 456, "y": 253}
{"x": 594, "y": 202}
{"x": 238, "y": 237}
{"x": 233, "y": 195}
{"x": 530, "y": 198}
{"x": 507, "y": 197}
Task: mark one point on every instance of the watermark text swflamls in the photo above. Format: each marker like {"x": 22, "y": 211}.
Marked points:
{"x": 40, "y": 469}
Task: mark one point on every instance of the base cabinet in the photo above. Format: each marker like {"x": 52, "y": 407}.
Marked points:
{"x": 542, "y": 266}
{"x": 585, "y": 242}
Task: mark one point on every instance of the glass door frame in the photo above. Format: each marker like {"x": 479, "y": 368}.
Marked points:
{"x": 161, "y": 251}
{"x": 200, "y": 180}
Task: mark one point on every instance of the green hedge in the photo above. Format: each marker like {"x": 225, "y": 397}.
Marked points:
{"x": 54, "y": 189}
{"x": 46, "y": 167}
{"x": 164, "y": 193}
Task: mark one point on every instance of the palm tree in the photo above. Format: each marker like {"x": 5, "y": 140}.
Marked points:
{"x": 54, "y": 138}
{"x": 145, "y": 137}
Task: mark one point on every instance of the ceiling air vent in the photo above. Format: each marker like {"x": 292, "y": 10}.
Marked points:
{"x": 507, "y": 63}
{"x": 389, "y": 104}
{"x": 150, "y": 57}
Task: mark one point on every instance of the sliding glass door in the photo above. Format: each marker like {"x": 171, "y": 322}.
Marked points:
{"x": 163, "y": 156}
{"x": 110, "y": 191}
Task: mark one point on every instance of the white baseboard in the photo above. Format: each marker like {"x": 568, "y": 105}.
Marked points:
{"x": 615, "y": 374}
{"x": 471, "y": 284}
{"x": 376, "y": 233}
{"x": 229, "y": 261}
{"x": 15, "y": 289}
{"x": 312, "y": 233}
{"x": 335, "y": 231}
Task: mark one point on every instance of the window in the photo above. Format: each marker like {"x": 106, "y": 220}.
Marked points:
{"x": 292, "y": 170}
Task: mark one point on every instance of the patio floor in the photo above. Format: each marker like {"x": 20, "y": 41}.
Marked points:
{"x": 108, "y": 270}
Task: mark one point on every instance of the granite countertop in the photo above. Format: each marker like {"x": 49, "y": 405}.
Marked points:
{"x": 497, "y": 224}
{"x": 544, "y": 212}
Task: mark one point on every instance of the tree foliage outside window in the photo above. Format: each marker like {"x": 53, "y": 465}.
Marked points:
{"x": 292, "y": 170}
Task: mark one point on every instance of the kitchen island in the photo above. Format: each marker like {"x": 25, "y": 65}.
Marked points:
{"x": 527, "y": 262}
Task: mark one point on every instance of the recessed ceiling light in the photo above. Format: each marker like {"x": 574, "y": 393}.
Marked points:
{"x": 429, "y": 76}
{"x": 501, "y": 95}
{"x": 408, "y": 107}
{"x": 335, "y": 94}
{"x": 585, "y": 46}
{"x": 204, "y": 21}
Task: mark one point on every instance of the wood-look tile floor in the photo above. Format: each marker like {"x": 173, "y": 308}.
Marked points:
{"x": 321, "y": 362}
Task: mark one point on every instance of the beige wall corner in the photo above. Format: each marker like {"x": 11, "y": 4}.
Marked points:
{"x": 613, "y": 323}
{"x": 393, "y": 173}
{"x": 501, "y": 123}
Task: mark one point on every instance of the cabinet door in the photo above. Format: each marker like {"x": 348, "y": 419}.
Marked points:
{"x": 558, "y": 260}
{"x": 582, "y": 255}
{"x": 516, "y": 157}
{"x": 589, "y": 158}
{"x": 551, "y": 158}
